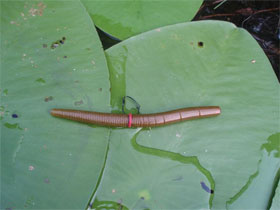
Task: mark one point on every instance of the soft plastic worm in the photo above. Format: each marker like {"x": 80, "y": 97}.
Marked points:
{"x": 138, "y": 120}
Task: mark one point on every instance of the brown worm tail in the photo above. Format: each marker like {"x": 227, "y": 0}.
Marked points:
{"x": 138, "y": 120}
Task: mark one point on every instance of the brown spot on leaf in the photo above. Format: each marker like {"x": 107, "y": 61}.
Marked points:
{"x": 37, "y": 10}
{"x": 48, "y": 98}
{"x": 77, "y": 103}
{"x": 200, "y": 44}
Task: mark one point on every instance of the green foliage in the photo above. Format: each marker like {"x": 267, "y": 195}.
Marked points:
{"x": 47, "y": 162}
{"x": 125, "y": 18}
{"x": 185, "y": 65}
{"x": 52, "y": 58}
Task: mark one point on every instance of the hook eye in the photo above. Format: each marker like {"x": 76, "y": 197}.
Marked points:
{"x": 137, "y": 105}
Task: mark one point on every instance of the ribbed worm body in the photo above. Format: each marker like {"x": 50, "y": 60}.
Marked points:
{"x": 138, "y": 120}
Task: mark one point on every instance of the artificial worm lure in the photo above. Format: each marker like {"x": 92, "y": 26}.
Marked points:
{"x": 137, "y": 120}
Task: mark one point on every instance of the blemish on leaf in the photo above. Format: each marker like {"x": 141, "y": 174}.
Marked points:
{"x": 37, "y": 10}
{"x": 253, "y": 61}
{"x": 206, "y": 188}
{"x": 113, "y": 190}
{"x": 13, "y": 126}
{"x": 45, "y": 45}
{"x": 31, "y": 168}
{"x": 49, "y": 98}
{"x": 47, "y": 181}
{"x": 77, "y": 103}
{"x": 179, "y": 178}
{"x": 54, "y": 45}
{"x": 200, "y": 44}
{"x": 12, "y": 22}
{"x": 92, "y": 62}
{"x": 100, "y": 89}
{"x": 29, "y": 202}
{"x": 40, "y": 80}
{"x": 178, "y": 135}
{"x": 65, "y": 56}
{"x": 5, "y": 92}
{"x": 14, "y": 116}
{"x": 144, "y": 194}
{"x": 57, "y": 43}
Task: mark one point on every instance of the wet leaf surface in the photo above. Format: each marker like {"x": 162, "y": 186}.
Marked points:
{"x": 230, "y": 70}
{"x": 123, "y": 19}
{"x": 49, "y": 163}
{"x": 52, "y": 58}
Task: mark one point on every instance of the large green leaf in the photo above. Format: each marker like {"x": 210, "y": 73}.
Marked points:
{"x": 193, "y": 64}
{"x": 125, "y": 18}
{"x": 49, "y": 163}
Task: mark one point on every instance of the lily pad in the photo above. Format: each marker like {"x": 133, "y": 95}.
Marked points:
{"x": 125, "y": 18}
{"x": 138, "y": 177}
{"x": 184, "y": 65}
{"x": 51, "y": 58}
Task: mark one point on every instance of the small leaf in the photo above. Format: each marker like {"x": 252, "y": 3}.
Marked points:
{"x": 125, "y": 18}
